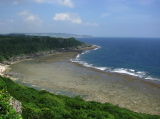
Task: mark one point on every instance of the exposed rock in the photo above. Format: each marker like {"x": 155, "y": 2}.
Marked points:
{"x": 118, "y": 105}
{"x": 9, "y": 74}
{"x": 16, "y": 105}
{"x": 43, "y": 53}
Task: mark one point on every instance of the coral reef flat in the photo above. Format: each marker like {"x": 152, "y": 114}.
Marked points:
{"x": 56, "y": 74}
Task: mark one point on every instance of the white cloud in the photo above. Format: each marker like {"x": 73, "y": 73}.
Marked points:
{"x": 30, "y": 18}
{"x": 67, "y": 3}
{"x": 73, "y": 18}
{"x": 61, "y": 17}
{"x": 77, "y": 21}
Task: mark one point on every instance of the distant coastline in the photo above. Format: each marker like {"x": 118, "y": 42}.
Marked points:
{"x": 58, "y": 35}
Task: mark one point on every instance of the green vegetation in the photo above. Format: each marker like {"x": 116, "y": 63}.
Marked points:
{"x": 45, "y": 105}
{"x": 6, "y": 111}
{"x": 12, "y": 46}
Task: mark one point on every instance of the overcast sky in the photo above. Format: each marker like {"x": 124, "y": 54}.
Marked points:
{"x": 106, "y": 18}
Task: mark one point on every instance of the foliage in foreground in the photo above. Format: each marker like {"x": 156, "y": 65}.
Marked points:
{"x": 6, "y": 111}
{"x": 45, "y": 105}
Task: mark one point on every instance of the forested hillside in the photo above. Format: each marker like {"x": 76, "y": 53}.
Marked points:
{"x": 11, "y": 46}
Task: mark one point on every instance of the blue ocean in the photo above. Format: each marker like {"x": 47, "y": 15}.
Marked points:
{"x": 138, "y": 57}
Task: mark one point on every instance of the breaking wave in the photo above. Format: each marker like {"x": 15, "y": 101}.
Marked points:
{"x": 131, "y": 72}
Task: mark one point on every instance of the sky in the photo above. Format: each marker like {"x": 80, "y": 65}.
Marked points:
{"x": 101, "y": 18}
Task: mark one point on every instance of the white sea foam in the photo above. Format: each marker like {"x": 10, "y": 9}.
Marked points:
{"x": 85, "y": 52}
{"x": 77, "y": 56}
{"x": 151, "y": 78}
{"x": 97, "y": 47}
{"x": 132, "y": 72}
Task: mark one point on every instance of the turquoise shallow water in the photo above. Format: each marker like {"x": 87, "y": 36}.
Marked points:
{"x": 138, "y": 57}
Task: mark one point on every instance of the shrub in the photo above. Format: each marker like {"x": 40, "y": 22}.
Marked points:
{"x": 45, "y": 105}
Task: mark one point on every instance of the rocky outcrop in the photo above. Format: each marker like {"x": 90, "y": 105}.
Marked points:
{"x": 16, "y": 105}
{"x": 44, "y": 53}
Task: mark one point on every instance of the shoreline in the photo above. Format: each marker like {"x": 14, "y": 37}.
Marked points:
{"x": 105, "y": 69}
{"x": 5, "y": 64}
{"x": 3, "y": 68}
{"x": 118, "y": 89}
{"x": 130, "y": 77}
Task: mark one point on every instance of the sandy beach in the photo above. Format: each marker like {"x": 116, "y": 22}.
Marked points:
{"x": 55, "y": 73}
{"x": 2, "y": 69}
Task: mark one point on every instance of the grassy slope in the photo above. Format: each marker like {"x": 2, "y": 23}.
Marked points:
{"x": 6, "y": 111}
{"x": 44, "y": 105}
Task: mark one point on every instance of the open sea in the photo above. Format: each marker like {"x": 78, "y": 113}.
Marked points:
{"x": 138, "y": 57}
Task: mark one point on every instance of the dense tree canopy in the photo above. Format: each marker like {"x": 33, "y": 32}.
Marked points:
{"x": 11, "y": 46}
